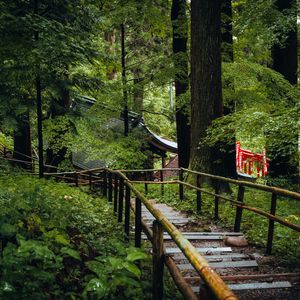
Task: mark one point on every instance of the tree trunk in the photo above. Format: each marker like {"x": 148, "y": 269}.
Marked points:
{"x": 227, "y": 56}
{"x": 206, "y": 89}
{"x": 285, "y": 61}
{"x": 180, "y": 25}
{"x": 22, "y": 142}
{"x": 110, "y": 38}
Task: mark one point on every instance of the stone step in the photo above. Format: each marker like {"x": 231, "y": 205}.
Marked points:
{"x": 203, "y": 250}
{"x": 223, "y": 265}
{"x": 254, "y": 286}
{"x": 224, "y": 257}
{"x": 202, "y": 235}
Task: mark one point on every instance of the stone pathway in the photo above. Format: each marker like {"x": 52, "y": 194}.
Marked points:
{"x": 243, "y": 268}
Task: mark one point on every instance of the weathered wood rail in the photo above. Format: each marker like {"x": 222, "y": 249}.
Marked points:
{"x": 114, "y": 182}
{"x": 238, "y": 202}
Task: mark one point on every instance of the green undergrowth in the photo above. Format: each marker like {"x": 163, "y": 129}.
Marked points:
{"x": 255, "y": 227}
{"x": 58, "y": 242}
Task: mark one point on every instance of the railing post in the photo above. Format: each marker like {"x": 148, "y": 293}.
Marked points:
{"x": 116, "y": 193}
{"x": 161, "y": 179}
{"x": 90, "y": 180}
{"x": 181, "y": 193}
{"x": 127, "y": 211}
{"x": 110, "y": 187}
{"x": 76, "y": 179}
{"x": 158, "y": 261}
{"x": 121, "y": 199}
{"x": 199, "y": 200}
{"x": 104, "y": 191}
{"x": 138, "y": 222}
{"x": 239, "y": 210}
{"x": 217, "y": 200}
{"x": 271, "y": 224}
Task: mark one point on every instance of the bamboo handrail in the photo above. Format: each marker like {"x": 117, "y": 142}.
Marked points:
{"x": 210, "y": 277}
{"x": 271, "y": 189}
{"x": 250, "y": 208}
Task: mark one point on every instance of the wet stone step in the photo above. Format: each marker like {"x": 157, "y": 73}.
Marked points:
{"x": 224, "y": 257}
{"x": 224, "y": 264}
{"x": 260, "y": 285}
{"x": 254, "y": 286}
{"x": 204, "y": 250}
{"x": 202, "y": 235}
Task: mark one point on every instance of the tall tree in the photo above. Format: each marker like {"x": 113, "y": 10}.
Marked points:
{"x": 180, "y": 58}
{"x": 227, "y": 56}
{"x": 285, "y": 61}
{"x": 206, "y": 88}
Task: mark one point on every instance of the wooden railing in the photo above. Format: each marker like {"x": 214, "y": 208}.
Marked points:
{"x": 238, "y": 202}
{"x": 116, "y": 185}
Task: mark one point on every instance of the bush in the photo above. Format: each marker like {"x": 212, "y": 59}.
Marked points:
{"x": 58, "y": 242}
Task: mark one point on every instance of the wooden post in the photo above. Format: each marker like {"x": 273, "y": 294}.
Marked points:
{"x": 121, "y": 199}
{"x": 110, "y": 187}
{"x": 271, "y": 224}
{"x": 181, "y": 193}
{"x": 116, "y": 194}
{"x": 76, "y": 179}
{"x": 217, "y": 200}
{"x": 138, "y": 222}
{"x": 158, "y": 261}
{"x": 199, "y": 200}
{"x": 90, "y": 180}
{"x": 4, "y": 152}
{"x": 239, "y": 210}
{"x": 161, "y": 179}
{"x": 127, "y": 211}
{"x": 104, "y": 191}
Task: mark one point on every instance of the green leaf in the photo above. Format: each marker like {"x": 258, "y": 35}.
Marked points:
{"x": 96, "y": 286}
{"x": 36, "y": 249}
{"x": 121, "y": 279}
{"x": 132, "y": 268}
{"x": 70, "y": 252}
{"x": 136, "y": 254}
{"x": 116, "y": 263}
{"x": 96, "y": 267}
{"x": 58, "y": 237}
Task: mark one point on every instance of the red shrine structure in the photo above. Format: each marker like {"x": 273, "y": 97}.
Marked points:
{"x": 250, "y": 163}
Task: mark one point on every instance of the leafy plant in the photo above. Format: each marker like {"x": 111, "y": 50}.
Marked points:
{"x": 59, "y": 242}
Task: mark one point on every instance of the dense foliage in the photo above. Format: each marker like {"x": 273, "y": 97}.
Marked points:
{"x": 60, "y": 243}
